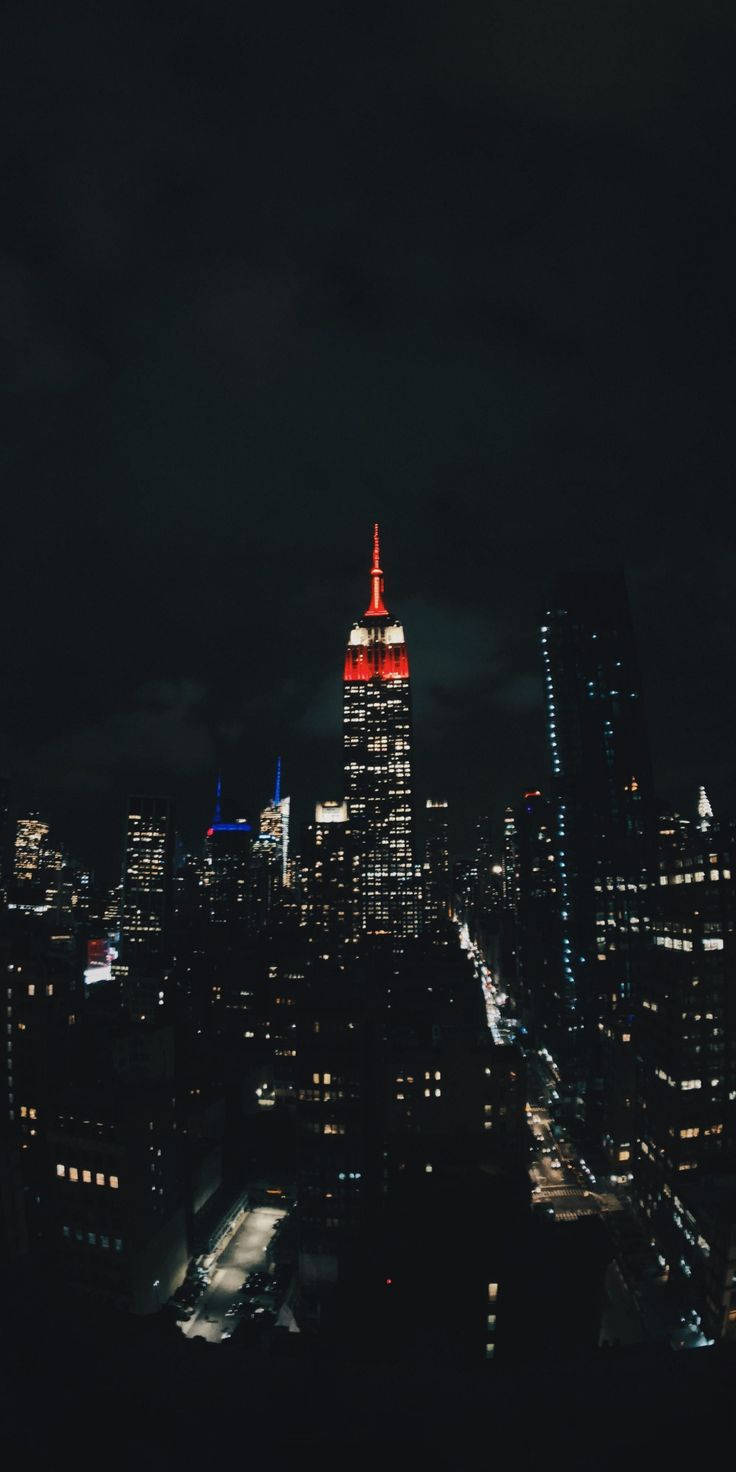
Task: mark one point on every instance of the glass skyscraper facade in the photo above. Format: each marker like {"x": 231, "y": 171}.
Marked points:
{"x": 601, "y": 797}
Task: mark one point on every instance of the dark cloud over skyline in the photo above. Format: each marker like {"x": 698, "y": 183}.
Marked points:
{"x": 467, "y": 269}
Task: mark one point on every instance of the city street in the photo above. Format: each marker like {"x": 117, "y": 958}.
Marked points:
{"x": 563, "y": 1184}
{"x": 245, "y": 1252}
{"x": 636, "y": 1307}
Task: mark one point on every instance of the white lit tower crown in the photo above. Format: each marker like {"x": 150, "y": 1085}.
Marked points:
{"x": 377, "y": 742}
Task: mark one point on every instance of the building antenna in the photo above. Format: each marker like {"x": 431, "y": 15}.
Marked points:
{"x": 376, "y": 605}
{"x": 277, "y": 784}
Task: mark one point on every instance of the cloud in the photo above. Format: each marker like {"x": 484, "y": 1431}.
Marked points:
{"x": 519, "y": 692}
{"x": 166, "y": 731}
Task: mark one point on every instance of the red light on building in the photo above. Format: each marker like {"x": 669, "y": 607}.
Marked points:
{"x": 376, "y": 661}
{"x": 376, "y": 607}
{"x": 534, "y": 793}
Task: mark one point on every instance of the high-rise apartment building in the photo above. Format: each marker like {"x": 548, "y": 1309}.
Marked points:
{"x": 42, "y": 993}
{"x": 147, "y": 880}
{"x": 114, "y": 1164}
{"x": 687, "y": 1068}
{"x": 436, "y": 867}
{"x": 31, "y": 835}
{"x": 330, "y": 891}
{"x": 601, "y": 793}
{"x": 377, "y": 744}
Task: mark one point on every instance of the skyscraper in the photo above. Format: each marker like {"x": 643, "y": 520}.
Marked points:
{"x": 147, "y": 880}
{"x": 331, "y": 864}
{"x": 30, "y": 840}
{"x": 436, "y": 868}
{"x": 687, "y": 1067}
{"x": 270, "y": 856}
{"x": 601, "y": 793}
{"x": 227, "y": 866}
{"x": 535, "y": 917}
{"x": 275, "y": 823}
{"x": 377, "y": 744}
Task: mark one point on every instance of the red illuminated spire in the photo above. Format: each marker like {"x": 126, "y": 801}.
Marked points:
{"x": 376, "y": 605}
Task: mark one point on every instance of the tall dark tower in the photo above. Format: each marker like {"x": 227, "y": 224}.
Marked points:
{"x": 602, "y": 800}
{"x": 227, "y": 866}
{"x": 436, "y": 867}
{"x": 377, "y": 741}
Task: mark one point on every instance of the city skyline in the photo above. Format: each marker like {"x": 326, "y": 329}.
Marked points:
{"x": 312, "y": 755}
{"x": 367, "y": 793}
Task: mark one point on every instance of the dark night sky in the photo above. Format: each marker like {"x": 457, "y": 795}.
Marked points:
{"x": 269, "y": 272}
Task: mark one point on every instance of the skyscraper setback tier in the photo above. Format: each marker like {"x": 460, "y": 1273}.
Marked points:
{"x": 377, "y": 742}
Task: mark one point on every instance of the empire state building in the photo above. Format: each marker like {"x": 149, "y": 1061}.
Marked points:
{"x": 377, "y": 741}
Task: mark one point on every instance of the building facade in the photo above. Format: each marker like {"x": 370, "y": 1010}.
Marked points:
{"x": 687, "y": 1069}
{"x": 147, "y": 887}
{"x": 436, "y": 867}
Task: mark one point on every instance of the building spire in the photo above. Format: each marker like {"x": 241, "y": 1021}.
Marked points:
{"x": 218, "y": 800}
{"x": 376, "y": 605}
{"x": 277, "y": 784}
{"x": 705, "y": 811}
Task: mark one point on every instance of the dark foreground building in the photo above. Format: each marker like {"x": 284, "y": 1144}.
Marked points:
{"x": 685, "y": 1176}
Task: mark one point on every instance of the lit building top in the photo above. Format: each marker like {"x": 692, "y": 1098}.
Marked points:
{"x": 331, "y": 811}
{"x": 240, "y": 825}
{"x": 705, "y": 811}
{"x": 376, "y": 646}
{"x": 274, "y": 825}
